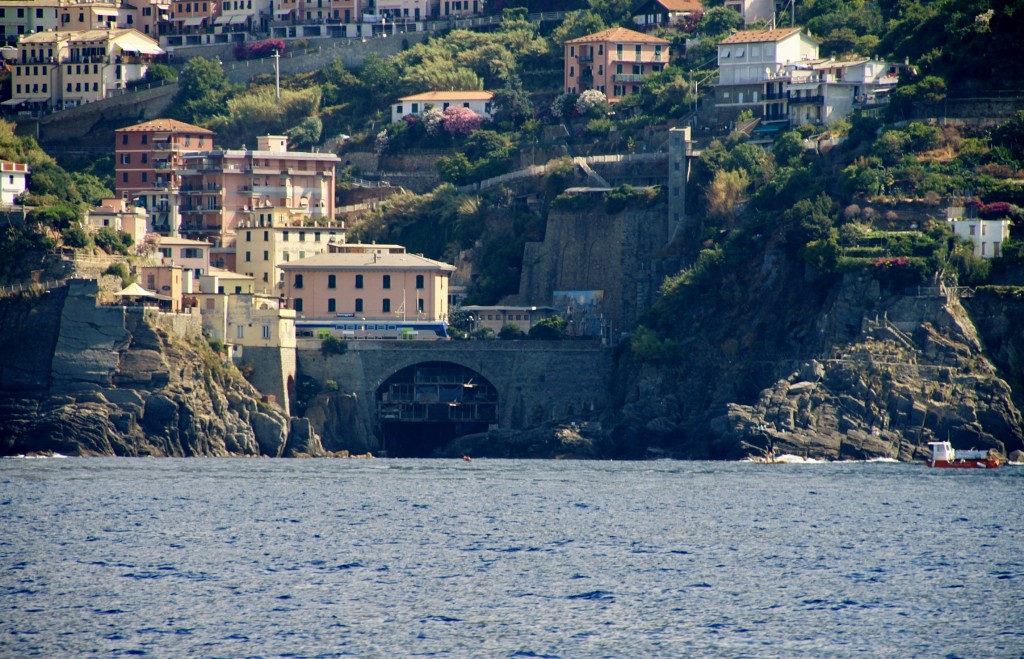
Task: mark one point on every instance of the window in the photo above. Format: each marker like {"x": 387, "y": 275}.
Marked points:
{"x": 298, "y": 304}
{"x": 419, "y": 282}
{"x": 618, "y": 50}
{"x": 240, "y": 331}
{"x": 332, "y": 281}
{"x": 359, "y": 305}
{"x": 248, "y": 236}
{"x": 419, "y": 305}
{"x": 248, "y": 256}
{"x": 359, "y": 281}
{"x": 284, "y": 236}
{"x": 266, "y": 255}
{"x": 302, "y": 236}
{"x": 398, "y": 109}
{"x": 330, "y": 305}
{"x": 385, "y": 305}
{"x": 298, "y": 281}
{"x": 636, "y": 51}
{"x": 387, "y": 281}
{"x": 266, "y": 331}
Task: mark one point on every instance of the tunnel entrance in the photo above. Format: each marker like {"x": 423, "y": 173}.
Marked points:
{"x": 423, "y": 407}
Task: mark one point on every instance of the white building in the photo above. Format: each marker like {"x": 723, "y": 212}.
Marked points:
{"x": 754, "y": 70}
{"x": 417, "y": 104}
{"x": 13, "y": 180}
{"x": 117, "y": 214}
{"x": 986, "y": 235}
{"x": 824, "y": 91}
{"x": 755, "y": 10}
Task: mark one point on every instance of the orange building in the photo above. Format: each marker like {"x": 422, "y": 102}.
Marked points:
{"x": 613, "y": 61}
{"x": 147, "y": 156}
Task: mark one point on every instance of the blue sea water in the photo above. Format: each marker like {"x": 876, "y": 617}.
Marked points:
{"x": 504, "y": 558}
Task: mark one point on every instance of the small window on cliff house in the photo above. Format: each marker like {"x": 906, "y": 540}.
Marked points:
{"x": 332, "y": 281}
{"x": 298, "y": 281}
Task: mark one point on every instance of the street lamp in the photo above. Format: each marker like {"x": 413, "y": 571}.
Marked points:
{"x": 471, "y": 319}
{"x": 384, "y": 26}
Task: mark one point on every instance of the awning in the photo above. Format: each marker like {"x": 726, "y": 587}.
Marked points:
{"x": 194, "y": 22}
{"x": 284, "y": 12}
{"x": 14, "y": 101}
{"x": 238, "y": 19}
{"x": 222, "y": 20}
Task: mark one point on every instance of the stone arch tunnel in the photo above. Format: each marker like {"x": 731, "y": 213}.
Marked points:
{"x": 413, "y": 397}
{"x": 424, "y": 406}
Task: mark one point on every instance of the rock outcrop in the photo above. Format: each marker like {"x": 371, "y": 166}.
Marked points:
{"x": 891, "y": 372}
{"x": 78, "y": 379}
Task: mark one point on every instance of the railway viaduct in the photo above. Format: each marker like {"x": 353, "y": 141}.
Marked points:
{"x": 529, "y": 382}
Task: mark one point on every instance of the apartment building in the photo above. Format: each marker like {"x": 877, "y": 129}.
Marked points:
{"x": 417, "y": 104}
{"x": 613, "y": 61}
{"x": 147, "y": 158}
{"x": 117, "y": 215}
{"x": 754, "y": 70}
{"x": 220, "y": 190}
{"x": 824, "y": 91}
{"x": 281, "y": 235}
{"x": 66, "y": 69}
{"x": 19, "y": 18}
{"x": 191, "y": 16}
{"x": 376, "y": 285}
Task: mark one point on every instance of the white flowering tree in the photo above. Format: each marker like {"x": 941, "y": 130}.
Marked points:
{"x": 433, "y": 121}
{"x": 591, "y": 103}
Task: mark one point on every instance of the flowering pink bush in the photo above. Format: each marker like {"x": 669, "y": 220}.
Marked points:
{"x": 461, "y": 121}
{"x": 995, "y": 210}
{"x": 259, "y": 49}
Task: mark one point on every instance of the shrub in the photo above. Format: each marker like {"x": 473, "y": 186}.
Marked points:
{"x": 118, "y": 270}
{"x": 510, "y": 332}
{"x": 330, "y": 385}
{"x": 333, "y": 345}
{"x": 113, "y": 242}
{"x": 461, "y": 121}
{"x": 551, "y": 328}
{"x": 75, "y": 236}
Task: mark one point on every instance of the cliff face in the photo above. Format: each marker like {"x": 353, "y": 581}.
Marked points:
{"x": 84, "y": 380}
{"x": 852, "y": 372}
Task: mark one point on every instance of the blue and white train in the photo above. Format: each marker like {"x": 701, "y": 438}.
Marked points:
{"x": 408, "y": 330}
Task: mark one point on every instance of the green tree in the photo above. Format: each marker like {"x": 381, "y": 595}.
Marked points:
{"x": 577, "y": 24}
{"x": 551, "y": 328}
{"x": 510, "y": 332}
{"x": 203, "y": 91}
{"x": 719, "y": 22}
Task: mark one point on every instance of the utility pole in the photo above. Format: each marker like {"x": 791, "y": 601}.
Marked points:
{"x": 277, "y": 76}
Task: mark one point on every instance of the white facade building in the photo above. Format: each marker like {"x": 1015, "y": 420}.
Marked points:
{"x": 13, "y": 180}
{"x": 417, "y": 104}
{"x": 986, "y": 235}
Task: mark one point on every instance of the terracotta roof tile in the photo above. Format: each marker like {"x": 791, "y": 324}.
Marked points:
{"x": 617, "y": 34}
{"x": 760, "y": 36}
{"x": 169, "y": 125}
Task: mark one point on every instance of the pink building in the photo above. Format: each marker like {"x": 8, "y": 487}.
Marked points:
{"x": 222, "y": 189}
{"x": 118, "y": 215}
{"x": 377, "y": 285}
{"x": 613, "y": 61}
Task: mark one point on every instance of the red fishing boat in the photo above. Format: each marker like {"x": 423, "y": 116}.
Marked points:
{"x": 946, "y": 457}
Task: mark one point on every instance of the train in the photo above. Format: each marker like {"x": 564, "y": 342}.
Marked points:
{"x": 407, "y": 330}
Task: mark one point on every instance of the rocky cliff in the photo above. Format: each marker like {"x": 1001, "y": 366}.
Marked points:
{"x": 78, "y": 379}
{"x": 847, "y": 371}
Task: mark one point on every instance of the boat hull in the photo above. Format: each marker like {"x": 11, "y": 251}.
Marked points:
{"x": 970, "y": 463}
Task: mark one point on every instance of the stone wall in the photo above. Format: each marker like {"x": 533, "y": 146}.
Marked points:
{"x": 592, "y": 250}
{"x": 537, "y": 382}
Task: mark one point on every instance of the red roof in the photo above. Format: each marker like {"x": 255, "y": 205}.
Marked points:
{"x": 618, "y": 34}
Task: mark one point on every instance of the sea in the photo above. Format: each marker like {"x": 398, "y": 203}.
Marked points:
{"x": 115, "y": 557}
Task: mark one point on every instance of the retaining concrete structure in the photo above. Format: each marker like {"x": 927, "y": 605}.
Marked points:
{"x": 537, "y": 382}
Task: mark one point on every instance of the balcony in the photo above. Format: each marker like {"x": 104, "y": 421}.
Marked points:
{"x": 806, "y": 100}
{"x": 628, "y": 77}
{"x": 589, "y": 57}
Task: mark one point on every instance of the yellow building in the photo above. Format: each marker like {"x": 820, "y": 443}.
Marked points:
{"x": 279, "y": 235}
{"x": 57, "y": 69}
